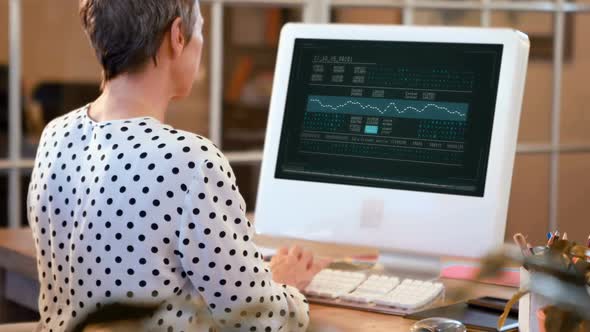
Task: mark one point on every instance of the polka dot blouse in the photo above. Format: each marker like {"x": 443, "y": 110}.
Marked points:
{"x": 136, "y": 212}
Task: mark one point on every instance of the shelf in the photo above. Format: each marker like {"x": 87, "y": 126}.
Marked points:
{"x": 244, "y": 157}
{"x": 255, "y": 156}
{"x": 539, "y": 6}
{"x": 548, "y": 148}
{"x": 262, "y": 3}
{"x": 20, "y": 164}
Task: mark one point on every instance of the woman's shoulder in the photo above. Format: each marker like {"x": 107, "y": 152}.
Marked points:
{"x": 63, "y": 122}
{"x": 60, "y": 128}
{"x": 148, "y": 135}
{"x": 191, "y": 147}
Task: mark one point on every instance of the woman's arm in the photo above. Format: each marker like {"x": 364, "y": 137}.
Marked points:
{"x": 223, "y": 263}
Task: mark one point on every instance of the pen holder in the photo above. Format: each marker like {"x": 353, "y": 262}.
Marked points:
{"x": 529, "y": 306}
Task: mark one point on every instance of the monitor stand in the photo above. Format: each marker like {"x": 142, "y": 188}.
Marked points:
{"x": 409, "y": 265}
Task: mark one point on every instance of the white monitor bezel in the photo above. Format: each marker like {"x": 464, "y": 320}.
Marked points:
{"x": 426, "y": 223}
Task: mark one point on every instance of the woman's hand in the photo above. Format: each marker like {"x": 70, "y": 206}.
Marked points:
{"x": 296, "y": 267}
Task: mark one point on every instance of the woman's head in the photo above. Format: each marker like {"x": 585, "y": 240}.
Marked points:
{"x": 132, "y": 36}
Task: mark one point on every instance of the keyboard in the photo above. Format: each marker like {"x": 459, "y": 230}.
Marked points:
{"x": 372, "y": 292}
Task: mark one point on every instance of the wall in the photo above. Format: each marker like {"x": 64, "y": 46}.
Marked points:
{"x": 528, "y": 210}
{"x": 3, "y": 32}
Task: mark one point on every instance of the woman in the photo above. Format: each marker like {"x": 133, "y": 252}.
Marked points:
{"x": 127, "y": 210}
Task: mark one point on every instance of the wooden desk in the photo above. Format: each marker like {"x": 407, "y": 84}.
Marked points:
{"x": 18, "y": 283}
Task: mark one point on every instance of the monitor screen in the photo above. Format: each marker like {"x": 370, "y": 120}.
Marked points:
{"x": 402, "y": 115}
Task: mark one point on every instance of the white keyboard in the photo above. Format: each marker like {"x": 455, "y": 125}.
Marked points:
{"x": 372, "y": 292}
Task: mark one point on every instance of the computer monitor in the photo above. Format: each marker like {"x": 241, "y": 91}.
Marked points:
{"x": 397, "y": 138}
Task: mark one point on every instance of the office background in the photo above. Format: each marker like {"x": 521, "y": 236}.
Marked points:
{"x": 47, "y": 68}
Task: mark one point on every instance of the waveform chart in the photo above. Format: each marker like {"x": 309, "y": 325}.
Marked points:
{"x": 397, "y": 108}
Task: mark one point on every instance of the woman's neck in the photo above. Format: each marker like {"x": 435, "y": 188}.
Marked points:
{"x": 131, "y": 96}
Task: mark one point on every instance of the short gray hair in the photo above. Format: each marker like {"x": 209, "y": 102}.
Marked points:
{"x": 126, "y": 34}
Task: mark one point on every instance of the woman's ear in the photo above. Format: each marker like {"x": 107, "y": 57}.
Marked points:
{"x": 177, "y": 40}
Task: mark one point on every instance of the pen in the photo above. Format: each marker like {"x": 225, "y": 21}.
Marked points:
{"x": 556, "y": 236}
{"x": 551, "y": 240}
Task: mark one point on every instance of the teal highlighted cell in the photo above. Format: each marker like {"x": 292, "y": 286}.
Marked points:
{"x": 372, "y": 130}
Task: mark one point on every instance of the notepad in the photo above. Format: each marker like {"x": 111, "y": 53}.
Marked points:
{"x": 469, "y": 271}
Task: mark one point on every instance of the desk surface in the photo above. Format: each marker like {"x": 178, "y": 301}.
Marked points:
{"x": 17, "y": 254}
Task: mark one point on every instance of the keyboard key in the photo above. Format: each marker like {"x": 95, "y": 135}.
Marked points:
{"x": 374, "y": 287}
{"x": 333, "y": 284}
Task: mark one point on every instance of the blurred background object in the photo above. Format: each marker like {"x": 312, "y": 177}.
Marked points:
{"x": 555, "y": 284}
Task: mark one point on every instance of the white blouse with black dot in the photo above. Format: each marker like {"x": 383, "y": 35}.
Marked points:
{"x": 136, "y": 212}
